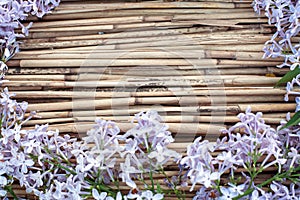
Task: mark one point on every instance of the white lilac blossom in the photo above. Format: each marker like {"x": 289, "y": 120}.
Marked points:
{"x": 104, "y": 196}
{"x": 102, "y": 150}
{"x": 290, "y": 144}
{"x": 199, "y": 163}
{"x": 254, "y": 146}
{"x": 145, "y": 195}
{"x": 292, "y": 88}
{"x": 12, "y": 13}
{"x": 146, "y": 148}
{"x": 206, "y": 194}
{"x": 256, "y": 139}
{"x": 94, "y": 167}
{"x": 36, "y": 158}
{"x": 40, "y": 159}
{"x": 284, "y": 15}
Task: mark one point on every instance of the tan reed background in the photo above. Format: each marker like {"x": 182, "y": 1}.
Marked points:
{"x": 198, "y": 63}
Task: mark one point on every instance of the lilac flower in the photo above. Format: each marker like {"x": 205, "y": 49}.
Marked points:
{"x": 102, "y": 149}
{"x": 290, "y": 143}
{"x": 3, "y": 193}
{"x": 256, "y": 141}
{"x": 227, "y": 193}
{"x": 294, "y": 155}
{"x": 58, "y": 194}
{"x": 206, "y": 194}
{"x": 290, "y": 90}
{"x": 162, "y": 155}
{"x": 126, "y": 170}
{"x": 280, "y": 191}
{"x": 259, "y": 195}
{"x": 97, "y": 196}
{"x": 12, "y": 13}
{"x": 146, "y": 147}
{"x": 3, "y": 178}
{"x": 199, "y": 163}
{"x": 39, "y": 159}
{"x": 145, "y": 195}
{"x": 22, "y": 163}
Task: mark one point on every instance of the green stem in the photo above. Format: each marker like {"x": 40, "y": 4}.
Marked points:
{"x": 60, "y": 166}
{"x": 151, "y": 178}
{"x": 103, "y": 188}
{"x": 10, "y": 190}
{"x": 286, "y": 174}
{"x": 176, "y": 191}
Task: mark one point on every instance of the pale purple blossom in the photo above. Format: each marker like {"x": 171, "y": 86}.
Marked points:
{"x": 284, "y": 15}
{"x": 12, "y": 15}
{"x": 246, "y": 142}
{"x": 39, "y": 159}
{"x": 145, "y": 195}
{"x": 291, "y": 90}
{"x": 146, "y": 147}
{"x": 104, "y": 195}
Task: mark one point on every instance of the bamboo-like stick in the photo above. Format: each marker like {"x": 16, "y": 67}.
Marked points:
{"x": 144, "y": 5}
{"x": 66, "y": 35}
{"x": 166, "y": 119}
{"x": 25, "y": 88}
{"x": 152, "y": 101}
{"x": 76, "y": 28}
{"x": 170, "y": 82}
{"x": 163, "y": 111}
{"x": 173, "y": 92}
{"x": 36, "y": 77}
{"x": 104, "y": 103}
{"x": 236, "y": 16}
{"x": 182, "y": 63}
{"x": 147, "y": 54}
{"x": 72, "y": 73}
{"x": 199, "y": 35}
{"x": 191, "y": 31}
{"x": 181, "y": 39}
{"x": 211, "y": 71}
{"x": 82, "y": 22}
{"x": 130, "y": 12}
{"x": 230, "y": 47}
{"x": 116, "y": 55}
{"x": 104, "y": 63}
{"x": 186, "y": 129}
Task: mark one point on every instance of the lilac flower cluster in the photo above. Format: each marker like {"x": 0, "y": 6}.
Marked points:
{"x": 146, "y": 147}
{"x": 252, "y": 147}
{"x": 290, "y": 144}
{"x": 33, "y": 157}
{"x": 12, "y": 13}
{"x": 143, "y": 195}
{"x": 284, "y": 15}
{"x": 291, "y": 89}
{"x": 54, "y": 166}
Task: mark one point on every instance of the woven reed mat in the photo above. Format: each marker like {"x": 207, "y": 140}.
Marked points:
{"x": 198, "y": 63}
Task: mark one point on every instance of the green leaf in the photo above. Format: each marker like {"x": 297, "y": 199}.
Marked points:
{"x": 288, "y": 76}
{"x": 158, "y": 188}
{"x": 295, "y": 120}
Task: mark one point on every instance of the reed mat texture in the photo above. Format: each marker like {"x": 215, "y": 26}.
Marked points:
{"x": 198, "y": 63}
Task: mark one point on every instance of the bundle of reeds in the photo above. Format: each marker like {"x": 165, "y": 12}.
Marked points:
{"x": 198, "y": 64}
